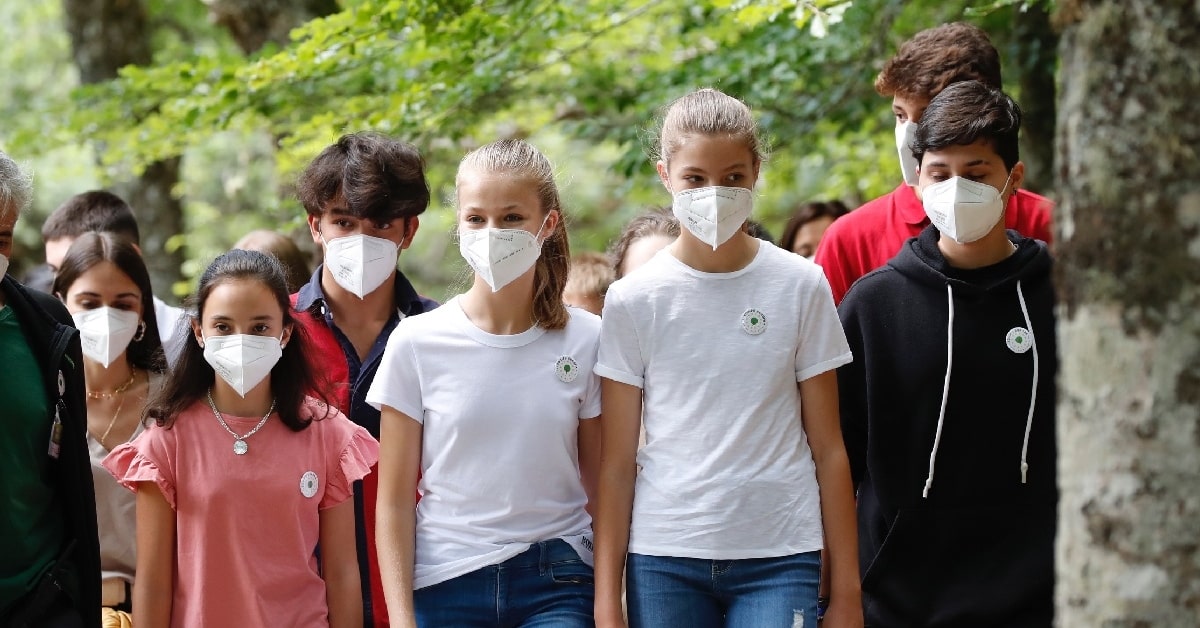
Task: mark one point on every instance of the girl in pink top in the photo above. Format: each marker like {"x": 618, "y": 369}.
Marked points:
{"x": 240, "y": 477}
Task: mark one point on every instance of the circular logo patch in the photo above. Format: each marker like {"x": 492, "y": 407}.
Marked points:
{"x": 754, "y": 322}
{"x": 566, "y": 368}
{"x": 1019, "y": 340}
{"x": 309, "y": 484}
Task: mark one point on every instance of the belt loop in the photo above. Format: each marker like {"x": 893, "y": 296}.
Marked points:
{"x": 543, "y": 557}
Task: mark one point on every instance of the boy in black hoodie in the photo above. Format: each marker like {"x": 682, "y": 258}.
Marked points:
{"x": 948, "y": 409}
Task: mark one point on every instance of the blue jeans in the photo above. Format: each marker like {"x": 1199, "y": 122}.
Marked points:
{"x": 546, "y": 586}
{"x": 664, "y": 591}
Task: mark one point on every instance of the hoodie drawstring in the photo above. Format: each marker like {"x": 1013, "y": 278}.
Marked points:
{"x": 937, "y": 438}
{"x": 1033, "y": 391}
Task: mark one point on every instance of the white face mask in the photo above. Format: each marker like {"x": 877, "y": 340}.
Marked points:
{"x": 360, "y": 263}
{"x": 500, "y": 255}
{"x": 105, "y": 332}
{"x": 963, "y": 209}
{"x": 242, "y": 360}
{"x": 713, "y": 214}
{"x": 905, "y": 133}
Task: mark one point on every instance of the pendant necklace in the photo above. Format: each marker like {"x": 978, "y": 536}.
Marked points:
{"x": 239, "y": 442}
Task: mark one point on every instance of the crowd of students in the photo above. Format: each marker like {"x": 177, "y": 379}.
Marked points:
{"x": 721, "y": 433}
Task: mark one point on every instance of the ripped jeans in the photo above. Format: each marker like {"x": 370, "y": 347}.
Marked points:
{"x": 664, "y": 591}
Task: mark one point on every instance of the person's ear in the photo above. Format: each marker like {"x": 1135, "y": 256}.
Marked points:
{"x": 410, "y": 229}
{"x": 196, "y": 332}
{"x": 552, "y": 220}
{"x": 1016, "y": 177}
{"x": 664, "y": 175}
{"x": 287, "y": 335}
{"x": 314, "y": 228}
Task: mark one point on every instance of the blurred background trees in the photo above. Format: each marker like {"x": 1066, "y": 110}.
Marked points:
{"x": 218, "y": 104}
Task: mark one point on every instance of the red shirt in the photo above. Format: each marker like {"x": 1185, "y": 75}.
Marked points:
{"x": 869, "y": 236}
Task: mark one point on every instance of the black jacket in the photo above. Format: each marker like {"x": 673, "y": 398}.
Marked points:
{"x": 47, "y": 328}
{"x": 969, "y": 543}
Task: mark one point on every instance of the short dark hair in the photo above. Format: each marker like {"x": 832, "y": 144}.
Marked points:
{"x": 808, "y": 212}
{"x": 292, "y": 378}
{"x": 937, "y": 57}
{"x": 963, "y": 114}
{"x": 380, "y": 179}
{"x": 92, "y": 248}
{"x": 94, "y": 210}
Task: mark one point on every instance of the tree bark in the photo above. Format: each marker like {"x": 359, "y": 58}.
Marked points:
{"x": 253, "y": 23}
{"x": 107, "y": 35}
{"x": 1129, "y": 275}
{"x": 1036, "y": 48}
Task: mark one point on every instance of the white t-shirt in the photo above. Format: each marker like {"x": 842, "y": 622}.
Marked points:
{"x": 726, "y": 472}
{"x": 499, "y": 451}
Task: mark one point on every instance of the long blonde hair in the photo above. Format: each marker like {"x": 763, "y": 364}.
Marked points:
{"x": 519, "y": 159}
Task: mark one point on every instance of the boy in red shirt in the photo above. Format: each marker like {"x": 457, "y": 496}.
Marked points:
{"x": 869, "y": 236}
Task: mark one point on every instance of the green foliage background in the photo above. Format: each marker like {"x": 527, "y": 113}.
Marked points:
{"x": 583, "y": 80}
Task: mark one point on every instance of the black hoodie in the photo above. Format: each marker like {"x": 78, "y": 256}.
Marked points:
{"x": 942, "y": 408}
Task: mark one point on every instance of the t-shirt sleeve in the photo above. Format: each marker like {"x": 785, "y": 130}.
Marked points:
{"x": 590, "y": 408}
{"x": 145, "y": 459}
{"x": 620, "y": 357}
{"x": 398, "y": 381}
{"x": 351, "y": 462}
{"x": 822, "y": 342}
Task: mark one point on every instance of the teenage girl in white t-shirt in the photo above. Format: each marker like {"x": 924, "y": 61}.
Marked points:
{"x": 488, "y": 408}
{"x": 724, "y": 348}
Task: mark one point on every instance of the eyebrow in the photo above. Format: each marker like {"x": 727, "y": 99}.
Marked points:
{"x": 969, "y": 164}
{"x": 223, "y": 317}
{"x": 119, "y": 296}
{"x": 737, "y": 166}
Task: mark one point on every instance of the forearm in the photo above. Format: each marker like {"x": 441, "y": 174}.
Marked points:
{"x": 395, "y": 537}
{"x": 152, "y": 600}
{"x": 840, "y": 523}
{"x": 612, "y": 535}
{"x": 343, "y": 593}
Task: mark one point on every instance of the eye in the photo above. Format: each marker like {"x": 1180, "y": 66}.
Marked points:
{"x": 473, "y": 219}
{"x": 514, "y": 218}
{"x": 735, "y": 177}
{"x": 262, "y": 328}
{"x": 901, "y": 117}
{"x": 343, "y": 223}
{"x": 383, "y": 226}
{"x": 693, "y": 178}
{"x": 221, "y": 327}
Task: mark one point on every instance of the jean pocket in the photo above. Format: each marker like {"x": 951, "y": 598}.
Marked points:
{"x": 572, "y": 572}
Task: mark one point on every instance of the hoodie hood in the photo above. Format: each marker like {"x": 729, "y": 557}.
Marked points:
{"x": 921, "y": 260}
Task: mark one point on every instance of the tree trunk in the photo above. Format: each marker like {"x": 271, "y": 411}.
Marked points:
{"x": 1129, "y": 275}
{"x": 107, "y": 35}
{"x": 1036, "y": 44}
{"x": 253, "y": 23}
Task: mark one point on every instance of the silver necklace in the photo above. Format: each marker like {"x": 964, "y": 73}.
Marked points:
{"x": 239, "y": 442}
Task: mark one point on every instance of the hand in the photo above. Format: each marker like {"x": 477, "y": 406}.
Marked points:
{"x": 844, "y": 614}
{"x": 609, "y": 616}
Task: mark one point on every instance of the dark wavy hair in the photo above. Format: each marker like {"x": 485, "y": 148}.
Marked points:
{"x": 966, "y": 112}
{"x": 808, "y": 212}
{"x": 937, "y": 57}
{"x": 90, "y": 249}
{"x": 380, "y": 179}
{"x": 292, "y": 379}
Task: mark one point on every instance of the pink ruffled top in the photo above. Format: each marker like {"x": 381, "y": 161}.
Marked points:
{"x": 247, "y": 526}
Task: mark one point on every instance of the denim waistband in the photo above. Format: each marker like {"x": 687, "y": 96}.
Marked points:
{"x": 542, "y": 554}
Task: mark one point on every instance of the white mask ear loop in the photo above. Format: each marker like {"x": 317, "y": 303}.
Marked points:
{"x": 539, "y": 231}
